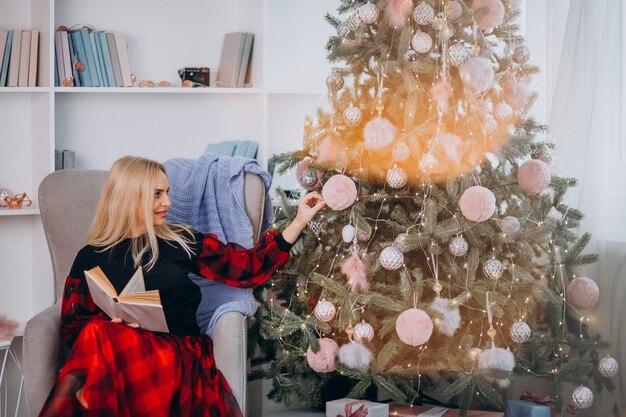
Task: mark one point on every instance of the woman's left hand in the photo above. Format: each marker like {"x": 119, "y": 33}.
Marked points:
{"x": 308, "y": 206}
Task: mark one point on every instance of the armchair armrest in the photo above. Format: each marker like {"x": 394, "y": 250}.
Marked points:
{"x": 229, "y": 348}
{"x": 42, "y": 354}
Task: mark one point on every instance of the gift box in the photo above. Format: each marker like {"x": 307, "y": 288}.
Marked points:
{"x": 523, "y": 408}
{"x": 346, "y": 407}
{"x": 406, "y": 410}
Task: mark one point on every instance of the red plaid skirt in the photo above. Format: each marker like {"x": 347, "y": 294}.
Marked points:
{"x": 135, "y": 373}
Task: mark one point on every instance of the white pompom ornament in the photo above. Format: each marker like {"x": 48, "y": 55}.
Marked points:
{"x": 363, "y": 332}
{"x": 400, "y": 152}
{"x": 458, "y": 246}
{"x": 510, "y": 225}
{"x": 493, "y": 269}
{"x": 503, "y": 111}
{"x": 352, "y": 116}
{"x": 324, "y": 311}
{"x": 378, "y": 134}
{"x": 583, "y": 293}
{"x": 414, "y": 327}
{"x": 608, "y": 367}
{"x": 451, "y": 316}
{"x": 355, "y": 355}
{"x": 477, "y": 74}
{"x": 368, "y": 13}
{"x": 323, "y": 360}
{"x": 582, "y": 397}
{"x": 458, "y": 54}
{"x": 477, "y": 204}
{"x": 391, "y": 258}
{"x": 474, "y": 354}
{"x": 520, "y": 332}
{"x": 396, "y": 178}
{"x": 496, "y": 358}
{"x": 423, "y": 14}
{"x": 347, "y": 233}
{"x": 421, "y": 42}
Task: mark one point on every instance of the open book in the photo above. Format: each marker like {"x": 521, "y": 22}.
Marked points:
{"x": 133, "y": 305}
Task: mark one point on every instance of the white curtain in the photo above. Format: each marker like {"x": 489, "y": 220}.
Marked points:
{"x": 585, "y": 115}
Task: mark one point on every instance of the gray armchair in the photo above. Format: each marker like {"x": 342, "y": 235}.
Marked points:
{"x": 67, "y": 200}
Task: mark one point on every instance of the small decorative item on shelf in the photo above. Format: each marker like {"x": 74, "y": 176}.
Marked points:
{"x": 347, "y": 407}
{"x": 7, "y": 328}
{"x": 406, "y": 410}
{"x": 5, "y": 192}
{"x": 17, "y": 201}
{"x": 199, "y": 76}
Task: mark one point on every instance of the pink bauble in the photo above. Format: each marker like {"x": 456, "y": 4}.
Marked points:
{"x": 303, "y": 166}
{"x": 477, "y": 204}
{"x": 494, "y": 16}
{"x": 324, "y": 360}
{"x": 533, "y": 176}
{"x": 339, "y": 192}
{"x": 477, "y": 74}
{"x": 401, "y": 152}
{"x": 378, "y": 134}
{"x": 582, "y": 293}
{"x": 414, "y": 327}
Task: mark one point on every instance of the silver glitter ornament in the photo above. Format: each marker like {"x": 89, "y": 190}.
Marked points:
{"x": 510, "y": 225}
{"x": 521, "y": 55}
{"x": 457, "y": 54}
{"x": 324, "y": 311}
{"x": 439, "y": 22}
{"x": 334, "y": 81}
{"x": 421, "y": 42}
{"x": 354, "y": 22}
{"x": 582, "y": 397}
{"x": 490, "y": 124}
{"x": 458, "y": 246}
{"x": 317, "y": 227}
{"x": 608, "y": 367}
{"x": 446, "y": 32}
{"x": 503, "y": 111}
{"x": 493, "y": 269}
{"x": 363, "y": 332}
{"x": 398, "y": 242}
{"x": 352, "y": 116}
{"x": 423, "y": 14}
{"x": 343, "y": 30}
{"x": 391, "y": 258}
{"x": 396, "y": 178}
{"x": 520, "y": 332}
{"x": 308, "y": 178}
{"x": 453, "y": 10}
{"x": 368, "y": 13}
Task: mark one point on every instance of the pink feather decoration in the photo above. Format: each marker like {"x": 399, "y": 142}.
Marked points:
{"x": 7, "y": 327}
{"x": 398, "y": 11}
{"x": 356, "y": 271}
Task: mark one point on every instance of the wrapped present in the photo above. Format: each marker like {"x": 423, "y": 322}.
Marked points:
{"x": 407, "y": 410}
{"x": 347, "y": 407}
{"x": 523, "y": 408}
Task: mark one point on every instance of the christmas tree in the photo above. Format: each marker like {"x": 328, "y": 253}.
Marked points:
{"x": 447, "y": 255}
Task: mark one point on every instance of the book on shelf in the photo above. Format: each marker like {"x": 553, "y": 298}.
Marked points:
{"x": 58, "y": 53}
{"x": 5, "y": 57}
{"x": 106, "y": 55}
{"x": 33, "y": 61}
{"x": 68, "y": 159}
{"x": 74, "y": 60}
{"x": 115, "y": 61}
{"x": 231, "y": 59}
{"x": 68, "y": 64}
{"x": 14, "y": 60}
{"x": 58, "y": 159}
{"x": 84, "y": 71}
{"x": 97, "y": 54}
{"x": 90, "y": 60}
{"x": 244, "y": 70}
{"x": 133, "y": 305}
{"x": 122, "y": 55}
{"x": 22, "y": 79}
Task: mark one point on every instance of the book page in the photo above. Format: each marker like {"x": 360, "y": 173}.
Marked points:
{"x": 96, "y": 276}
{"x": 145, "y": 297}
{"x": 135, "y": 284}
{"x": 149, "y": 317}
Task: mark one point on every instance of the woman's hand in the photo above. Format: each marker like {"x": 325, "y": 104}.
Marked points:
{"x": 119, "y": 320}
{"x": 308, "y": 206}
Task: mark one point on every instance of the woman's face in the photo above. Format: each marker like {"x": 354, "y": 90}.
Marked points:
{"x": 161, "y": 199}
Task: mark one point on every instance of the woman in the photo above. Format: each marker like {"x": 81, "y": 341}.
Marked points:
{"x": 119, "y": 369}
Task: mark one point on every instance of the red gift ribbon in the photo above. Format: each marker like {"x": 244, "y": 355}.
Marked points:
{"x": 547, "y": 400}
{"x": 360, "y": 412}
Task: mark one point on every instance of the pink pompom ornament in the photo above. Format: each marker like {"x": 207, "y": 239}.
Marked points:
{"x": 378, "y": 134}
{"x": 494, "y": 15}
{"x": 323, "y": 360}
{"x": 517, "y": 94}
{"x": 533, "y": 176}
{"x": 339, "y": 192}
{"x": 355, "y": 271}
{"x": 442, "y": 92}
{"x": 583, "y": 293}
{"x": 477, "y": 75}
{"x": 477, "y": 204}
{"x": 398, "y": 11}
{"x": 414, "y": 327}
{"x": 329, "y": 154}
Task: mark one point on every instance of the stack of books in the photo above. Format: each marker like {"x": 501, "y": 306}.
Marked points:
{"x": 89, "y": 58}
{"x": 19, "y": 50}
{"x": 234, "y": 69}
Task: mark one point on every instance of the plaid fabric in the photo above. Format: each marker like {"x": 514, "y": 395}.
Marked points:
{"x": 136, "y": 373}
{"x": 235, "y": 265}
{"x": 77, "y": 309}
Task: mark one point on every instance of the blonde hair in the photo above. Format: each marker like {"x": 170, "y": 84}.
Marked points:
{"x": 126, "y": 205}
